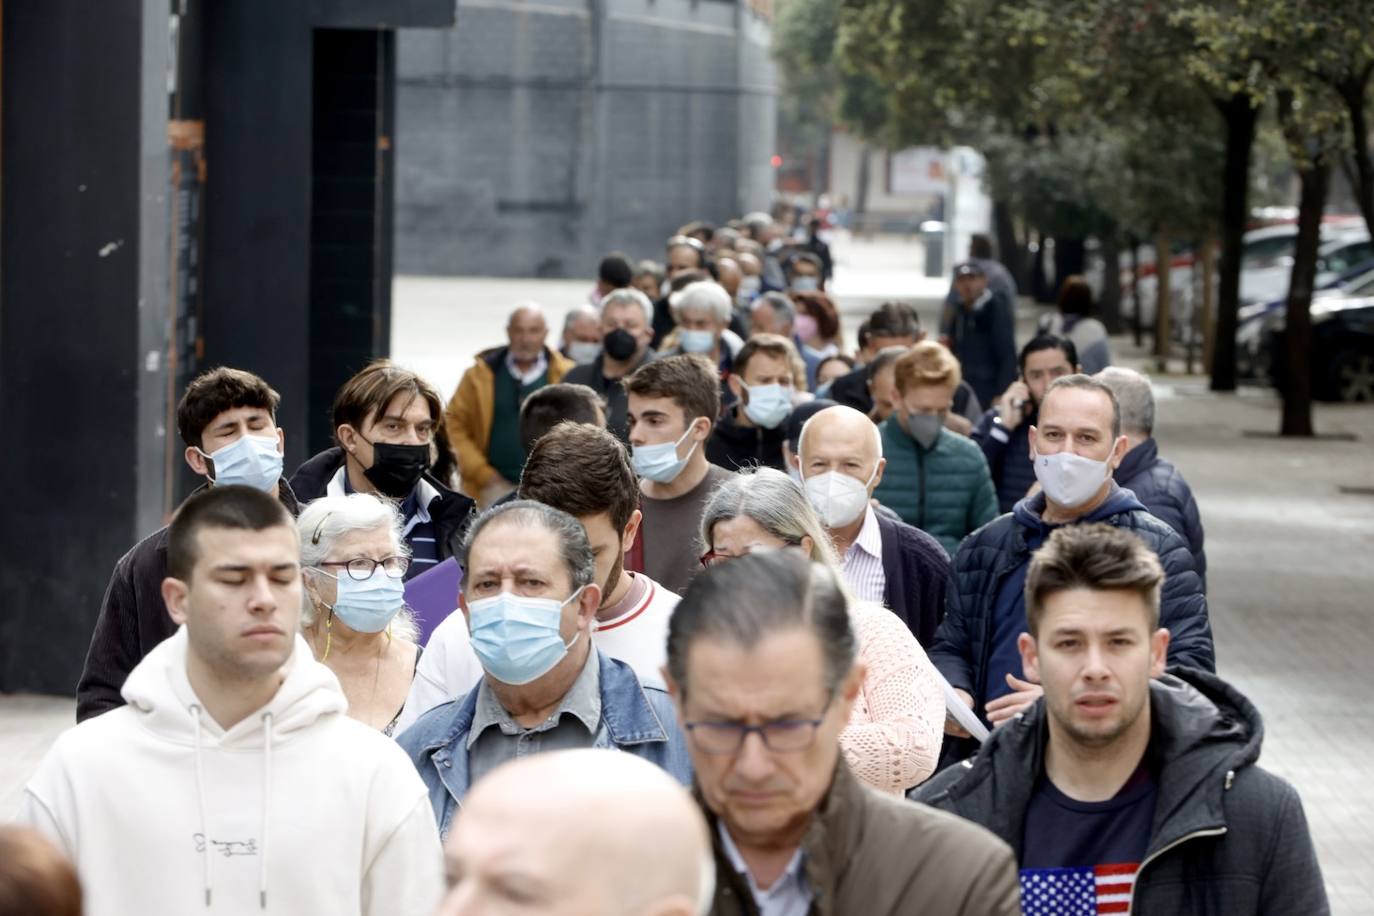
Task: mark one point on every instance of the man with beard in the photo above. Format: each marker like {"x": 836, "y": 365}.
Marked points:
{"x": 1004, "y": 431}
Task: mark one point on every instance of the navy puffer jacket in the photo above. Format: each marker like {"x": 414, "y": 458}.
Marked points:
{"x": 1161, "y": 489}
{"x": 963, "y": 643}
{"x": 1008, "y": 455}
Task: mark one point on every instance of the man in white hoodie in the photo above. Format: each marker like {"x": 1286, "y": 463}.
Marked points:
{"x": 233, "y": 781}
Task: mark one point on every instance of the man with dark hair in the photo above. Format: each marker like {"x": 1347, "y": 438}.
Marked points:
{"x": 1154, "y": 480}
{"x": 1000, "y": 279}
{"x": 234, "y": 760}
{"x": 893, "y": 324}
{"x": 685, "y": 261}
{"x": 584, "y": 471}
{"x": 384, "y": 420}
{"x": 529, "y": 597}
{"x": 751, "y": 433}
{"x": 1074, "y": 448}
{"x": 554, "y": 404}
{"x": 483, "y": 415}
{"x": 1004, "y": 431}
{"x": 626, "y": 324}
{"x": 1127, "y": 786}
{"x": 614, "y": 272}
{"x": 805, "y": 273}
{"x": 673, "y": 404}
{"x": 761, "y": 666}
{"x": 228, "y": 420}
{"x": 980, "y": 330}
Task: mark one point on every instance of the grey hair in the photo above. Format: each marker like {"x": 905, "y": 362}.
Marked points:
{"x": 1134, "y": 396}
{"x": 1087, "y": 383}
{"x": 750, "y": 598}
{"x": 329, "y": 518}
{"x": 573, "y": 547}
{"x": 629, "y": 295}
{"x": 704, "y": 295}
{"x": 782, "y": 306}
{"x": 579, "y": 311}
{"x": 775, "y": 503}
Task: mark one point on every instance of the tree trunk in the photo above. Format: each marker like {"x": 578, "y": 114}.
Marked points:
{"x": 1163, "y": 296}
{"x": 1209, "y": 302}
{"x": 1240, "y": 117}
{"x": 1009, "y": 250}
{"x": 861, "y": 194}
{"x": 1109, "y": 304}
{"x": 1136, "y": 330}
{"x": 1039, "y": 285}
{"x": 1297, "y": 390}
{"x": 1070, "y": 254}
{"x": 1354, "y": 95}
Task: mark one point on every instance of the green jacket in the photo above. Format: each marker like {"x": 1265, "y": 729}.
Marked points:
{"x": 946, "y": 491}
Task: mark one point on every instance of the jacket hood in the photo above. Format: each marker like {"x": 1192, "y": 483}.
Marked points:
{"x": 1029, "y": 510}
{"x": 159, "y": 690}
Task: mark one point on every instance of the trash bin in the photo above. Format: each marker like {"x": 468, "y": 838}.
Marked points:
{"x": 933, "y": 236}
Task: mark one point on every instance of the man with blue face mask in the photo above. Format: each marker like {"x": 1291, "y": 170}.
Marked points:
{"x": 751, "y": 432}
{"x": 530, "y": 598}
{"x": 227, "y": 419}
{"x": 1074, "y": 447}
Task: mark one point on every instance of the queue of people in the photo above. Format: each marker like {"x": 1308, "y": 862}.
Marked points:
{"x": 744, "y": 624}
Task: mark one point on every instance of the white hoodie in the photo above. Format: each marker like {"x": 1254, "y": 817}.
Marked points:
{"x": 306, "y": 811}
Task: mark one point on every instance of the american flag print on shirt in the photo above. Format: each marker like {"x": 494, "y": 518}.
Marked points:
{"x": 1085, "y": 891}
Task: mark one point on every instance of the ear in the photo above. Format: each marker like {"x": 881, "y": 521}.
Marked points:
{"x": 736, "y": 386}
{"x": 1031, "y": 436}
{"x": 849, "y": 690}
{"x": 1120, "y": 447}
{"x": 347, "y": 437}
{"x": 627, "y": 537}
{"x": 699, "y": 434}
{"x": 1030, "y": 657}
{"x": 588, "y": 603}
{"x": 807, "y": 545}
{"x": 1159, "y": 651}
{"x": 196, "y": 461}
{"x": 281, "y": 441}
{"x": 878, "y": 475}
{"x": 793, "y": 458}
{"x": 175, "y": 594}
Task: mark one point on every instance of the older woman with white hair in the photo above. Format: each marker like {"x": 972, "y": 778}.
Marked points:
{"x": 703, "y": 311}
{"x": 893, "y": 737}
{"x": 355, "y": 618}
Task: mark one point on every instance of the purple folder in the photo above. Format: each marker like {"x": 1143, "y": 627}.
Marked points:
{"x": 433, "y": 595}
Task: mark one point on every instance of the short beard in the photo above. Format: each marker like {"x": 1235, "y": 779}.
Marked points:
{"x": 616, "y": 571}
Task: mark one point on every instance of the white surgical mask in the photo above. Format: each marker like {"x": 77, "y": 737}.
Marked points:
{"x": 838, "y": 498}
{"x": 768, "y": 405}
{"x": 583, "y": 351}
{"x": 696, "y": 341}
{"x": 1070, "y": 480}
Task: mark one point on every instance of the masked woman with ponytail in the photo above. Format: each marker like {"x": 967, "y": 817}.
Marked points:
{"x": 355, "y": 618}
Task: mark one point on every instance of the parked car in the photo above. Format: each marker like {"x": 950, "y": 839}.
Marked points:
{"x": 1342, "y": 361}
{"x": 1339, "y": 250}
{"x": 1256, "y": 318}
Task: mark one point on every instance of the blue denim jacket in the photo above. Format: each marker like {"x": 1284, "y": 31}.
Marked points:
{"x": 639, "y": 720}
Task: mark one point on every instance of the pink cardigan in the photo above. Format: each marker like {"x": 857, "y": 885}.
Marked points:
{"x": 892, "y": 741}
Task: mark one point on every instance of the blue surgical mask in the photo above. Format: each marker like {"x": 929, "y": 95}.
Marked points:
{"x": 696, "y": 341}
{"x": 251, "y": 461}
{"x": 368, "y": 605}
{"x": 660, "y": 463}
{"x": 518, "y": 639}
{"x": 768, "y": 405}
{"x": 805, "y": 284}
{"x": 583, "y": 351}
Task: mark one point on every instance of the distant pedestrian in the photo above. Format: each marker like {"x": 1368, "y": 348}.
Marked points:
{"x": 763, "y": 382}
{"x": 1000, "y": 279}
{"x": 893, "y": 324}
{"x": 626, "y": 329}
{"x": 1075, "y": 320}
{"x": 555, "y": 404}
{"x": 980, "y": 330}
{"x": 581, "y": 340}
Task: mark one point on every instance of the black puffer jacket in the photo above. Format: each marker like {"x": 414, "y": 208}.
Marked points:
{"x": 735, "y": 447}
{"x": 990, "y": 554}
{"x": 1229, "y": 839}
{"x": 1162, "y": 490}
{"x": 1008, "y": 455}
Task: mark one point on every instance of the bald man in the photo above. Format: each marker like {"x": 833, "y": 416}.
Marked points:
{"x": 579, "y": 833}
{"x": 483, "y": 416}
{"x": 840, "y": 459}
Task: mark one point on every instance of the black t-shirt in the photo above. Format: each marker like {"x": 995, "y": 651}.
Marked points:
{"x": 1081, "y": 857}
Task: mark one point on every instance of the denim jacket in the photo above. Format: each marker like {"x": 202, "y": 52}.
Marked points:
{"x": 639, "y": 720}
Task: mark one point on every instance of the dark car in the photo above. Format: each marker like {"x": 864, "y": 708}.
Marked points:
{"x": 1342, "y": 349}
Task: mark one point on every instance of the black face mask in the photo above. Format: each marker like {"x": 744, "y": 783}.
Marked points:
{"x": 619, "y": 344}
{"x": 397, "y": 468}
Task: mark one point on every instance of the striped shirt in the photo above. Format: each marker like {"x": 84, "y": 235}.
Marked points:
{"x": 862, "y": 567}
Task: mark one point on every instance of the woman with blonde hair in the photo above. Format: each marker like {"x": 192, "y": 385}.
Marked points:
{"x": 892, "y": 740}
{"x": 355, "y": 618}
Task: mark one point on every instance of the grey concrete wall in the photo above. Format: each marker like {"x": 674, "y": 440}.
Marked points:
{"x": 535, "y": 137}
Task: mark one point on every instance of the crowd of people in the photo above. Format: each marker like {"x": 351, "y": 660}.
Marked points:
{"x": 745, "y": 623}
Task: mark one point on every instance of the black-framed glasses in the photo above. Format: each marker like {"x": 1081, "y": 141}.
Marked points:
{"x": 783, "y": 736}
{"x": 362, "y": 567}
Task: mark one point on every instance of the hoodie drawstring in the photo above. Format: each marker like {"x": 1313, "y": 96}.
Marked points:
{"x": 200, "y": 803}
{"x": 266, "y": 805}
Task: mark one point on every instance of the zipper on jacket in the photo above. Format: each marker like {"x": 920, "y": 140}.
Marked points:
{"x": 1135, "y": 885}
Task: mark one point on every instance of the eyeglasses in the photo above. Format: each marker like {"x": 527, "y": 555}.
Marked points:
{"x": 784, "y": 736}
{"x": 711, "y": 558}
{"x": 363, "y": 567}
